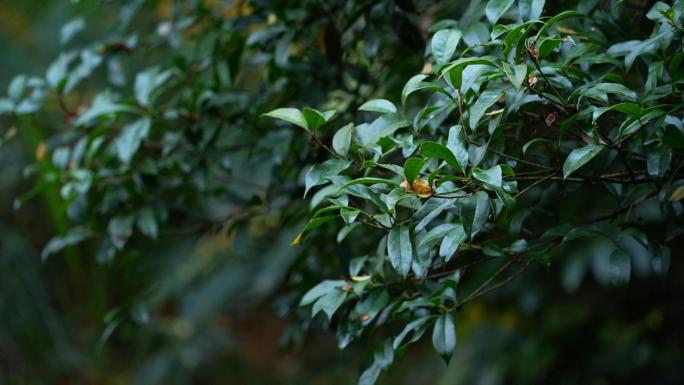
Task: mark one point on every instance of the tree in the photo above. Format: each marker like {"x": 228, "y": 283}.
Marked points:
{"x": 530, "y": 136}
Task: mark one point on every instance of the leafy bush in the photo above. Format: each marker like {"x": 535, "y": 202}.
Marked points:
{"x": 532, "y": 137}
{"x": 519, "y": 140}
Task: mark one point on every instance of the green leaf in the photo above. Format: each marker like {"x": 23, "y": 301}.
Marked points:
{"x": 661, "y": 260}
{"x": 370, "y": 181}
{"x": 392, "y": 167}
{"x": 451, "y": 242}
{"x": 561, "y": 16}
{"x": 530, "y": 9}
{"x": 412, "y": 168}
{"x": 455, "y": 70}
{"x": 70, "y": 29}
{"x": 291, "y": 115}
{"x": 444, "y": 44}
{"x": 315, "y": 119}
{"x": 631, "y": 109}
{"x": 320, "y": 290}
{"x": 56, "y": 75}
{"x": 58, "y": 243}
{"x": 497, "y": 8}
{"x": 383, "y": 106}
{"x": 385, "y": 355}
{"x": 103, "y": 105}
{"x": 370, "y": 375}
{"x": 548, "y": 45}
{"x": 146, "y": 82}
{"x": 474, "y": 212}
{"x": 516, "y": 74}
{"x": 399, "y": 249}
{"x": 319, "y": 173}
{"x": 16, "y": 88}
{"x": 456, "y": 143}
{"x": 579, "y": 157}
{"x": 491, "y": 177}
{"x": 444, "y": 336}
{"x": 439, "y": 151}
{"x": 342, "y": 140}
{"x": 487, "y": 99}
{"x": 477, "y": 33}
{"x": 120, "y": 228}
{"x": 329, "y": 303}
{"x": 658, "y": 160}
{"x": 599, "y": 92}
{"x": 147, "y": 223}
{"x": 411, "y": 86}
{"x": 437, "y": 234}
{"x": 373, "y": 304}
{"x": 428, "y": 212}
{"x": 413, "y": 326}
{"x": 132, "y": 136}
{"x": 620, "y": 267}
{"x": 527, "y": 145}
{"x": 631, "y": 125}
{"x": 385, "y": 125}
{"x": 315, "y": 223}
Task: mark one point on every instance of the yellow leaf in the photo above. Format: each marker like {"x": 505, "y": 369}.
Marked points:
{"x": 41, "y": 150}
{"x": 492, "y": 113}
{"x": 360, "y": 278}
{"x": 297, "y": 239}
{"x": 678, "y": 194}
{"x": 567, "y": 31}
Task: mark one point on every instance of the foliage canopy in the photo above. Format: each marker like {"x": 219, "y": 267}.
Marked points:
{"x": 530, "y": 137}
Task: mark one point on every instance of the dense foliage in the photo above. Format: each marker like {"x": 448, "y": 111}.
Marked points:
{"x": 498, "y": 162}
{"x": 443, "y": 150}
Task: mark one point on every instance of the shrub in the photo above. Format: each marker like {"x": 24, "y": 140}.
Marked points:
{"x": 519, "y": 142}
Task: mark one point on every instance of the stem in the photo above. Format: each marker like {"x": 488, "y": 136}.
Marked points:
{"x": 534, "y": 184}
{"x": 486, "y": 283}
{"x": 546, "y": 79}
{"x": 493, "y": 287}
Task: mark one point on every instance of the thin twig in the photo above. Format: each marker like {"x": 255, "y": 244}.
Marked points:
{"x": 623, "y": 209}
{"x": 495, "y": 286}
{"x": 534, "y": 184}
{"x": 486, "y": 283}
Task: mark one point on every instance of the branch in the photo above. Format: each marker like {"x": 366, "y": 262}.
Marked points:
{"x": 623, "y": 209}
{"x": 493, "y": 287}
{"x": 476, "y": 292}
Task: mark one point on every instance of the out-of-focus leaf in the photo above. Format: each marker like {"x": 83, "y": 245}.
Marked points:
{"x": 620, "y": 268}
{"x": 342, "y": 140}
{"x": 497, "y": 8}
{"x": 444, "y": 336}
{"x": 58, "y": 243}
{"x": 319, "y": 173}
{"x": 132, "y": 136}
{"x": 291, "y": 115}
{"x": 383, "y": 106}
{"x": 444, "y": 44}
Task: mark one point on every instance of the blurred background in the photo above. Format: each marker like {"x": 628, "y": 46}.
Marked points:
{"x": 193, "y": 310}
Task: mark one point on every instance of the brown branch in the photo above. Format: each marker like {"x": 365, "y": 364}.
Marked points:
{"x": 482, "y": 287}
{"x": 527, "y": 162}
{"x": 547, "y": 177}
{"x": 493, "y": 287}
{"x": 623, "y": 209}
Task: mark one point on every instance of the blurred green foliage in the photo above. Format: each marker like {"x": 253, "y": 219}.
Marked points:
{"x": 171, "y": 259}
